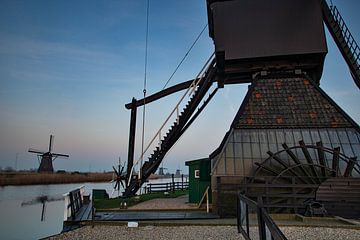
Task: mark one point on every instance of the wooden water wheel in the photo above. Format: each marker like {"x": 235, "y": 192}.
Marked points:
{"x": 289, "y": 178}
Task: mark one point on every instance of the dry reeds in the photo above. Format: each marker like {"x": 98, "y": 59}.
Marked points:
{"x": 32, "y": 178}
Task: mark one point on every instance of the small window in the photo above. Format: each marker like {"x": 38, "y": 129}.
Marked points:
{"x": 197, "y": 173}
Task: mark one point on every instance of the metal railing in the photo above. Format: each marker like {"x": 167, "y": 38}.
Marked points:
{"x": 73, "y": 202}
{"x": 253, "y": 222}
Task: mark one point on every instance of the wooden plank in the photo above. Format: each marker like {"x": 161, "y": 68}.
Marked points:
{"x": 296, "y": 161}
{"x": 350, "y": 167}
{"x": 88, "y": 213}
{"x": 83, "y": 213}
{"x": 309, "y": 159}
{"x": 335, "y": 161}
{"x": 321, "y": 155}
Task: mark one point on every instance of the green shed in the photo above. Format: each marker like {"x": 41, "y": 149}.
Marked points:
{"x": 199, "y": 179}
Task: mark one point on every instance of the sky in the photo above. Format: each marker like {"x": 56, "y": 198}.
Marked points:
{"x": 68, "y": 68}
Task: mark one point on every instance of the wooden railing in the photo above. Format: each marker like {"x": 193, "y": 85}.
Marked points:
{"x": 166, "y": 187}
{"x": 254, "y": 222}
{"x": 73, "y": 202}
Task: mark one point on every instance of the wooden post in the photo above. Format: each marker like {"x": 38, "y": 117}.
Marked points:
{"x": 173, "y": 182}
{"x": 261, "y": 222}
{"x": 131, "y": 147}
{"x": 182, "y": 182}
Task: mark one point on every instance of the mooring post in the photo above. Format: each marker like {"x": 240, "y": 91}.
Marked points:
{"x": 131, "y": 139}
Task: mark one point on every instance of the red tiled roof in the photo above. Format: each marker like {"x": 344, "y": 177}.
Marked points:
{"x": 291, "y": 102}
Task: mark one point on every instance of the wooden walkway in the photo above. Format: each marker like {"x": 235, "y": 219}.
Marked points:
{"x": 84, "y": 214}
{"x": 153, "y": 215}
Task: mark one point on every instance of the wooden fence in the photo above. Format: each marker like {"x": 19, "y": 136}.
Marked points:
{"x": 166, "y": 187}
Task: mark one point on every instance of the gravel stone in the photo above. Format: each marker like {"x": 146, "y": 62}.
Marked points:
{"x": 201, "y": 232}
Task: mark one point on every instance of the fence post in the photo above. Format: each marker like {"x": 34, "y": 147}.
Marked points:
{"x": 173, "y": 182}
{"x": 218, "y": 198}
{"x": 182, "y": 182}
{"x": 262, "y": 230}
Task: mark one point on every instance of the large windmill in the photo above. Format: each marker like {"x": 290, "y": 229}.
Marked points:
{"x": 48, "y": 157}
{"x": 279, "y": 48}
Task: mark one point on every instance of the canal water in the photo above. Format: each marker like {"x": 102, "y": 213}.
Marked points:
{"x": 24, "y": 222}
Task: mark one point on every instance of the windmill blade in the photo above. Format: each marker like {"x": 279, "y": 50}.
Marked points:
{"x": 42, "y": 199}
{"x": 32, "y": 150}
{"x": 116, "y": 185}
{"x": 55, "y": 198}
{"x": 51, "y": 142}
{"x": 30, "y": 202}
{"x": 122, "y": 184}
{"x": 60, "y": 155}
{"x": 121, "y": 172}
{"x": 116, "y": 172}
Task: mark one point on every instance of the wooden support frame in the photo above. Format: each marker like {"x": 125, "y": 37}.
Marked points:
{"x": 131, "y": 147}
{"x": 246, "y": 78}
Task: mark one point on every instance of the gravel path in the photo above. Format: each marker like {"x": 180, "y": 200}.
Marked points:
{"x": 153, "y": 232}
{"x": 165, "y": 203}
{"x": 201, "y": 232}
{"x": 302, "y": 233}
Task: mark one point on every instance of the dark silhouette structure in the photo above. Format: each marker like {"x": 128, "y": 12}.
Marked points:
{"x": 47, "y": 158}
{"x": 287, "y": 127}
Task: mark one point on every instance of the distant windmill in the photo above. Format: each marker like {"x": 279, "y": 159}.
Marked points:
{"x": 161, "y": 171}
{"x": 47, "y": 157}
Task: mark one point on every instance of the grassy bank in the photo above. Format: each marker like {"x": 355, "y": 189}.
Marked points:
{"x": 33, "y": 178}
{"x": 103, "y": 204}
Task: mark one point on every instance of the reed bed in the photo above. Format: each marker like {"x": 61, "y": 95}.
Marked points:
{"x": 33, "y": 178}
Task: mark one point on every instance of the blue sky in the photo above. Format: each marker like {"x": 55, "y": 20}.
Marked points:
{"x": 68, "y": 67}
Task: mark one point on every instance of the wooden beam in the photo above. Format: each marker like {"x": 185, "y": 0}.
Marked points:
{"x": 297, "y": 161}
{"x": 321, "y": 155}
{"x": 246, "y": 78}
{"x": 276, "y": 158}
{"x": 131, "y": 146}
{"x": 350, "y": 167}
{"x": 335, "y": 161}
{"x": 309, "y": 159}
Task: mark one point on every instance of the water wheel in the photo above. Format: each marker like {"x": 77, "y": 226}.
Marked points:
{"x": 289, "y": 178}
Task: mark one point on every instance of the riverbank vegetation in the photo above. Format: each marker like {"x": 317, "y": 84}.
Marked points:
{"x": 118, "y": 203}
{"x": 34, "y": 178}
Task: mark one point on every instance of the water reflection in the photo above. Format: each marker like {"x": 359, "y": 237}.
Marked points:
{"x": 17, "y": 222}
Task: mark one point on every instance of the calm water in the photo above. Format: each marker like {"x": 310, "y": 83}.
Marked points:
{"x": 23, "y": 222}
